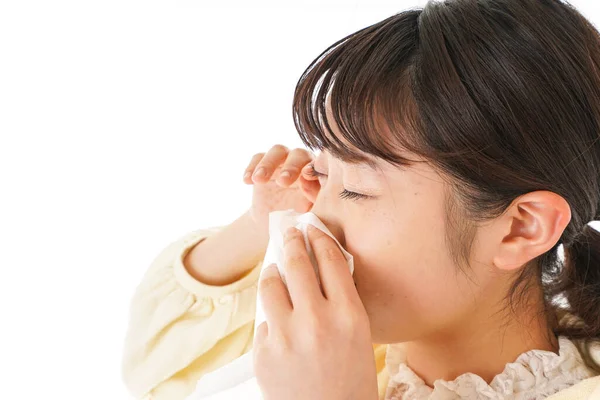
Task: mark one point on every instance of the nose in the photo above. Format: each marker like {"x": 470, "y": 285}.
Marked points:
{"x": 323, "y": 211}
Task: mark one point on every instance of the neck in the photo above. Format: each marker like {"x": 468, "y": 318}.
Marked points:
{"x": 482, "y": 346}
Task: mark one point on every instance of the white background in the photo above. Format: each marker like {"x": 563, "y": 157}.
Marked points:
{"x": 123, "y": 126}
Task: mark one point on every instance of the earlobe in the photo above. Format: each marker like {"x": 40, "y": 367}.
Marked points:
{"x": 531, "y": 226}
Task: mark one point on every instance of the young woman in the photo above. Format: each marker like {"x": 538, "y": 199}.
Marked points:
{"x": 459, "y": 164}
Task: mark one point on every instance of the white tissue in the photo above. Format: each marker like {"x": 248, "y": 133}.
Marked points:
{"x": 236, "y": 380}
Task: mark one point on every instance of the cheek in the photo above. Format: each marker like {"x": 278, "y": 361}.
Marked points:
{"x": 408, "y": 287}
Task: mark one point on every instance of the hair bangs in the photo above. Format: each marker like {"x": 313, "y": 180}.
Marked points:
{"x": 361, "y": 83}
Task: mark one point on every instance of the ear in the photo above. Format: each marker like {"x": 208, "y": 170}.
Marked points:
{"x": 531, "y": 226}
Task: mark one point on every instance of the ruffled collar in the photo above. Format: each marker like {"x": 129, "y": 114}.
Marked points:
{"x": 535, "y": 375}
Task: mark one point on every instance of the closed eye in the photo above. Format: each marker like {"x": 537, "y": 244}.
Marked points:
{"x": 344, "y": 194}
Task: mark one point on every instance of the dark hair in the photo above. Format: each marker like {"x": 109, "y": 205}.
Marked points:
{"x": 502, "y": 97}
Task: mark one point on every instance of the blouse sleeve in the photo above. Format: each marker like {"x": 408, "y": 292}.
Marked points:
{"x": 180, "y": 328}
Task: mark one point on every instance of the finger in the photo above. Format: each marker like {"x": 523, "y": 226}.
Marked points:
{"x": 310, "y": 189}
{"x": 306, "y": 173}
{"x": 265, "y": 168}
{"x": 250, "y": 169}
{"x": 336, "y": 280}
{"x": 300, "y": 274}
{"x": 273, "y": 295}
{"x": 293, "y": 165}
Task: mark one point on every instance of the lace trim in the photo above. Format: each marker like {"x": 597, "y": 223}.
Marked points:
{"x": 534, "y": 375}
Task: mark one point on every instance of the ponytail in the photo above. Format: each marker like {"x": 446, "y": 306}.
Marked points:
{"x": 579, "y": 284}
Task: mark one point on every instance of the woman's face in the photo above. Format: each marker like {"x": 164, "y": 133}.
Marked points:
{"x": 404, "y": 273}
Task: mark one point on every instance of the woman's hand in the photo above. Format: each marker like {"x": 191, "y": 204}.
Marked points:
{"x": 274, "y": 190}
{"x": 315, "y": 342}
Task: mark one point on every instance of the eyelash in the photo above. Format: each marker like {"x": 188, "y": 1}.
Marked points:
{"x": 344, "y": 194}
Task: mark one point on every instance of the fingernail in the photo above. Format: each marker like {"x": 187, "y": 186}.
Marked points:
{"x": 259, "y": 172}
{"x": 290, "y": 231}
{"x": 285, "y": 174}
{"x": 272, "y": 266}
{"x": 247, "y": 175}
{"x": 268, "y": 270}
